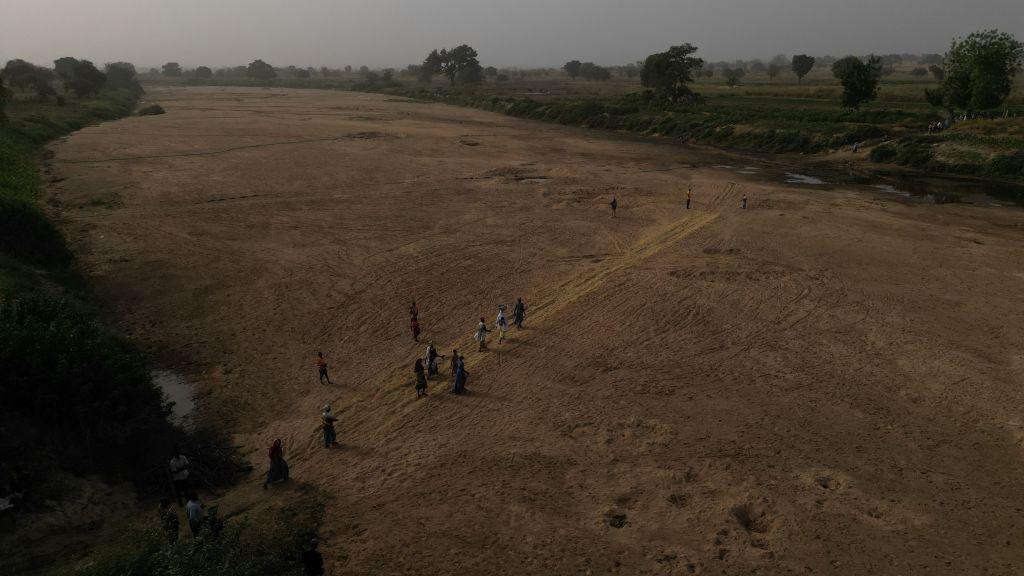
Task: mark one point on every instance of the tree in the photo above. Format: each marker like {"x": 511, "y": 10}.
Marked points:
{"x": 773, "y": 71}
{"x": 733, "y": 75}
{"x": 171, "y": 70}
{"x": 19, "y": 74}
{"x": 302, "y": 73}
{"x": 591, "y": 71}
{"x": 122, "y": 76}
{"x": 758, "y": 67}
{"x": 364, "y": 69}
{"x": 979, "y": 70}
{"x": 780, "y": 60}
{"x": 348, "y": 69}
{"x": 64, "y": 67}
{"x": 668, "y": 73}
{"x": 859, "y": 79}
{"x": 937, "y": 72}
{"x": 5, "y": 96}
{"x": 802, "y": 64}
{"x": 931, "y": 59}
{"x": 86, "y": 79}
{"x": 572, "y": 68}
{"x": 490, "y": 71}
{"x": 459, "y": 63}
{"x": 202, "y": 72}
{"x": 260, "y": 70}
{"x": 919, "y": 72}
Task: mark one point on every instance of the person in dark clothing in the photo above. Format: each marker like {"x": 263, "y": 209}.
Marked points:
{"x": 614, "y": 205}
{"x": 454, "y": 363}
{"x": 433, "y": 369}
{"x": 414, "y": 311}
{"x": 519, "y": 313}
{"x": 278, "y": 465}
{"x": 743, "y": 203}
{"x": 460, "y": 377}
{"x": 689, "y": 196}
{"x": 312, "y": 561}
{"x": 169, "y": 521}
{"x": 421, "y": 379}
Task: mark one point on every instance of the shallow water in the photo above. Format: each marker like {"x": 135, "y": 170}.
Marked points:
{"x": 179, "y": 391}
{"x": 795, "y": 178}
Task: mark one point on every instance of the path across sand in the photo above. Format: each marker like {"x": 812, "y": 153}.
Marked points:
{"x": 830, "y": 382}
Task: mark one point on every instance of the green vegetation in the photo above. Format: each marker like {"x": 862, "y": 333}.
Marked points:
{"x": 859, "y": 79}
{"x": 458, "y": 64}
{"x": 668, "y": 74}
{"x": 151, "y": 110}
{"x": 269, "y": 542}
{"x": 978, "y": 72}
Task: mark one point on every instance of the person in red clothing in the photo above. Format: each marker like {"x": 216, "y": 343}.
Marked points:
{"x": 278, "y": 466}
{"x": 321, "y": 365}
{"x": 415, "y": 326}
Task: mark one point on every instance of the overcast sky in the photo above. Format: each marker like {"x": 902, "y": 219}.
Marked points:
{"x": 525, "y": 33}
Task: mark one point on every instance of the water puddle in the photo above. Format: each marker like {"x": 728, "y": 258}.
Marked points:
{"x": 795, "y": 178}
{"x": 179, "y": 391}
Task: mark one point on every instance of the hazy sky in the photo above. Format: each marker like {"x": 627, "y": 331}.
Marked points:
{"x": 525, "y": 33}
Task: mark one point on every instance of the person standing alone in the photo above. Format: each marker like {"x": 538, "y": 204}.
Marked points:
{"x": 519, "y": 313}
{"x": 321, "y": 366}
{"x": 689, "y": 196}
{"x": 178, "y": 467}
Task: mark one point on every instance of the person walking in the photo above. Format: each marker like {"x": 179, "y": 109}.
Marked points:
{"x": 501, "y": 323}
{"x": 433, "y": 369}
{"x": 454, "y": 363}
{"x": 194, "y": 514}
{"x": 178, "y": 467}
{"x": 519, "y": 313}
{"x": 481, "y": 334}
{"x": 312, "y": 561}
{"x": 414, "y": 324}
{"x": 328, "y": 419}
{"x": 689, "y": 196}
{"x": 278, "y": 465}
{"x": 743, "y": 203}
{"x": 414, "y": 310}
{"x": 615, "y": 205}
{"x": 421, "y": 379}
{"x": 460, "y": 376}
{"x": 321, "y": 366}
{"x": 169, "y": 521}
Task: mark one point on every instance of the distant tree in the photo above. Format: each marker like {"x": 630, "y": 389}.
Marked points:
{"x": 668, "y": 73}
{"x": 431, "y": 65}
{"x": 171, "y": 70}
{"x": 42, "y": 83}
{"x": 979, "y": 70}
{"x": 490, "y": 71}
{"x": 5, "y": 97}
{"x": 153, "y": 72}
{"x": 780, "y": 60}
{"x": 459, "y": 63}
{"x": 919, "y": 72}
{"x": 364, "y": 69}
{"x": 859, "y": 79}
{"x": 325, "y": 71}
{"x": 758, "y": 67}
{"x": 892, "y": 60}
{"x": 825, "y": 62}
{"x": 260, "y": 70}
{"x": 572, "y": 68}
{"x": 389, "y": 75}
{"x": 501, "y": 77}
{"x": 202, "y": 72}
{"x": 631, "y": 70}
{"x": 708, "y": 72}
{"x": 122, "y": 76}
{"x": 302, "y": 73}
{"x": 773, "y": 71}
{"x": 63, "y": 67}
{"x": 802, "y": 64}
{"x": 348, "y": 69}
{"x": 591, "y": 71}
{"x": 931, "y": 59}
{"x": 733, "y": 75}
{"x": 86, "y": 79}
{"x": 888, "y": 70}
{"x": 19, "y": 74}
{"x": 937, "y": 72}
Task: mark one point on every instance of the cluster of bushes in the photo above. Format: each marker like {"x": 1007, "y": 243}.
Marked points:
{"x": 80, "y": 77}
{"x": 919, "y": 152}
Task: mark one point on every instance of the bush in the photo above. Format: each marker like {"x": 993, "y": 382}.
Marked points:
{"x": 152, "y": 110}
{"x": 883, "y": 153}
{"x": 27, "y": 235}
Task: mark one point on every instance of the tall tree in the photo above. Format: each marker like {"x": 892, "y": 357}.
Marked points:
{"x": 859, "y": 79}
{"x": 5, "y": 96}
{"x": 459, "y": 63}
{"x": 572, "y": 68}
{"x": 260, "y": 70}
{"x": 937, "y": 72}
{"x": 202, "y": 72}
{"x": 773, "y": 71}
{"x": 121, "y": 76}
{"x": 802, "y": 64}
{"x": 171, "y": 69}
{"x": 668, "y": 73}
{"x": 979, "y": 70}
{"x": 20, "y": 75}
{"x": 64, "y": 67}
{"x": 86, "y": 79}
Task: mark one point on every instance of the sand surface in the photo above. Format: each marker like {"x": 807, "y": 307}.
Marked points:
{"x": 829, "y": 382}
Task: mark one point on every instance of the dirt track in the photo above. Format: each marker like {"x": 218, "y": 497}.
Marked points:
{"x": 830, "y": 382}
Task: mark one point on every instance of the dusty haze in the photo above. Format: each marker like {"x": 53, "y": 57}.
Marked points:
{"x": 382, "y": 33}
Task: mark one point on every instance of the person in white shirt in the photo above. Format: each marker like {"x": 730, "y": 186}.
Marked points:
{"x": 178, "y": 467}
{"x": 194, "y": 513}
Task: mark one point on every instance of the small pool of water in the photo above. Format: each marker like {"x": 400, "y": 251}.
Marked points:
{"x": 179, "y": 391}
{"x": 795, "y": 178}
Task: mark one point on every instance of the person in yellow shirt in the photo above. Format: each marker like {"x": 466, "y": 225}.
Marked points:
{"x": 689, "y": 196}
